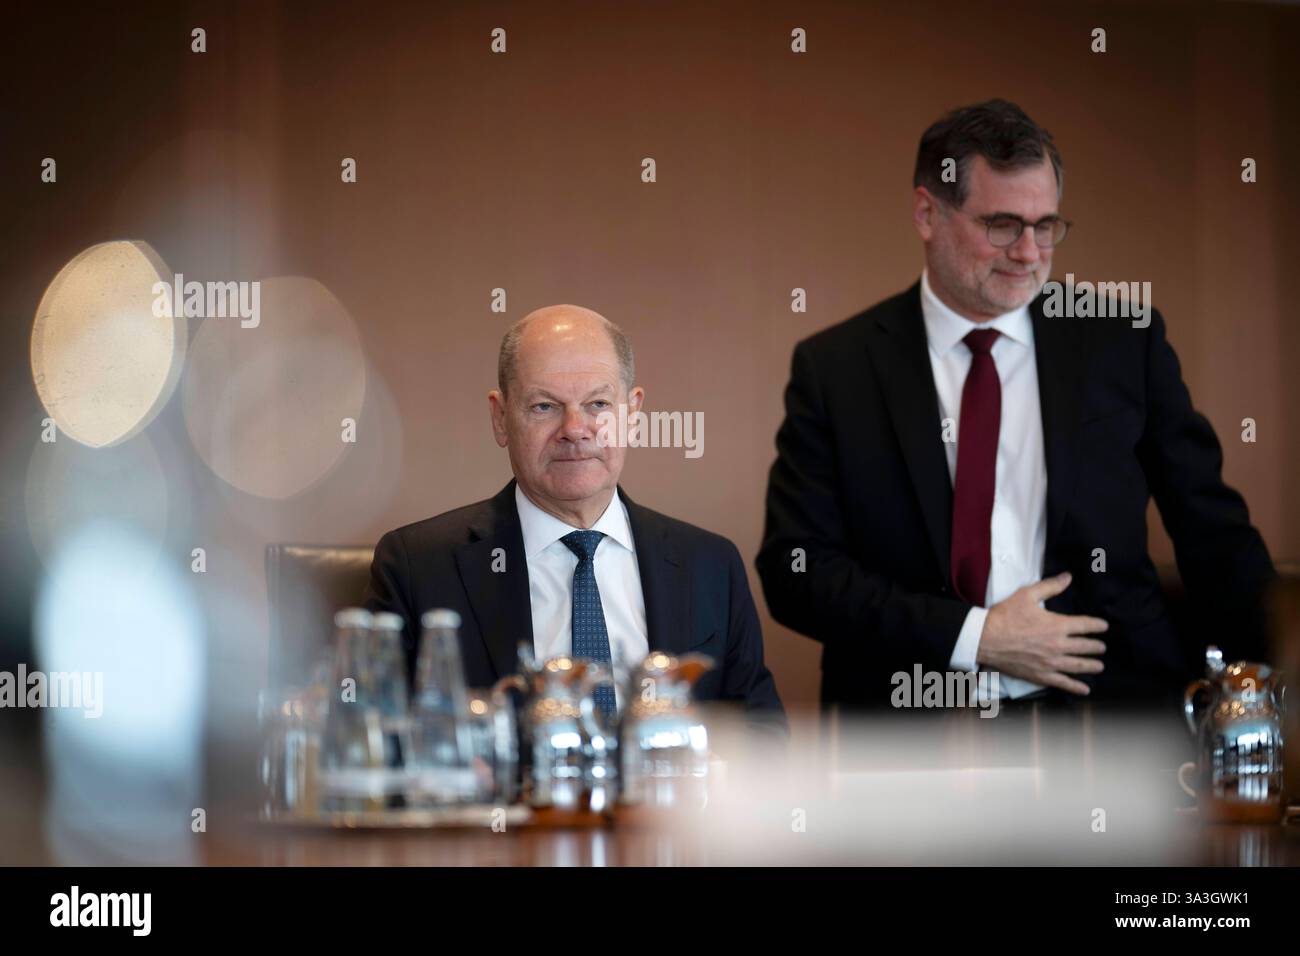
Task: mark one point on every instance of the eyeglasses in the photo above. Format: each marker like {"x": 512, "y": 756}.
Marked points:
{"x": 1005, "y": 230}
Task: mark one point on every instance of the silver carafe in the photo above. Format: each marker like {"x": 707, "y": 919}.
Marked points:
{"x": 665, "y": 745}
{"x": 1235, "y": 714}
{"x": 561, "y": 726}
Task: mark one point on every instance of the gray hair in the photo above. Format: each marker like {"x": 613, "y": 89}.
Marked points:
{"x": 508, "y": 357}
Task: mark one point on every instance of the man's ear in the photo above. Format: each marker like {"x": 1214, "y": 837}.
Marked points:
{"x": 634, "y": 400}
{"x": 924, "y": 210}
{"x": 497, "y": 407}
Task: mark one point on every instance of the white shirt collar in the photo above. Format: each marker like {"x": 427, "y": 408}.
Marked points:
{"x": 944, "y": 328}
{"x": 541, "y": 530}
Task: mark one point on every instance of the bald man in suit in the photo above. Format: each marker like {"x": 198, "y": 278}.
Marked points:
{"x": 587, "y": 571}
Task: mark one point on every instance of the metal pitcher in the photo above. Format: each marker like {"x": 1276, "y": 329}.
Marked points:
{"x": 665, "y": 745}
{"x": 1235, "y": 714}
{"x": 567, "y": 740}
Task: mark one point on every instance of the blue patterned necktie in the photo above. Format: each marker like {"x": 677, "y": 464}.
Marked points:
{"x": 590, "y": 638}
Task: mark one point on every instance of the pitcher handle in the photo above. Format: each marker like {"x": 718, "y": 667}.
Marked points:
{"x": 516, "y": 681}
{"x": 1189, "y": 702}
{"x": 595, "y": 675}
{"x": 505, "y": 739}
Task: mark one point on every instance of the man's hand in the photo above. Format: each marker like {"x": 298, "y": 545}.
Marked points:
{"x": 1024, "y": 640}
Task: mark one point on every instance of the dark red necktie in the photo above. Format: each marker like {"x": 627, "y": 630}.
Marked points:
{"x": 977, "y": 467}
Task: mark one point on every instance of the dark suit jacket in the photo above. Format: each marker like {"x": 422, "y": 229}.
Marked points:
{"x": 697, "y": 596}
{"x": 861, "y": 484}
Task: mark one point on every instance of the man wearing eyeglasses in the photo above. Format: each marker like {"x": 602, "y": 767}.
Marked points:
{"x": 962, "y": 481}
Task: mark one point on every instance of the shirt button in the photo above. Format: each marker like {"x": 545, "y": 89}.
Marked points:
{"x": 1003, "y": 558}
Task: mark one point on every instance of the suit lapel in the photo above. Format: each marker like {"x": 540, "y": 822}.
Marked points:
{"x": 899, "y": 353}
{"x": 664, "y": 583}
{"x": 500, "y": 599}
{"x": 1059, "y": 353}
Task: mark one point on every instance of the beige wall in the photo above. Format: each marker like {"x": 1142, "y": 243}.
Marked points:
{"x": 774, "y": 171}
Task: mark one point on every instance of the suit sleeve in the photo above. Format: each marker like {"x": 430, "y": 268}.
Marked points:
{"x": 826, "y": 594}
{"x": 390, "y": 587}
{"x": 1223, "y": 561}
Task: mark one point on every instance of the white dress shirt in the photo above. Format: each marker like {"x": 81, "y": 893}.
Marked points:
{"x": 550, "y": 585}
{"x": 1019, "y": 523}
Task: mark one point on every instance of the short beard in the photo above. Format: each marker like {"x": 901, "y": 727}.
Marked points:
{"x": 1000, "y": 308}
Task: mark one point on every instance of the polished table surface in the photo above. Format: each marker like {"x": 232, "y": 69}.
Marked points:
{"x": 1034, "y": 789}
{"x": 1195, "y": 844}
{"x": 886, "y": 792}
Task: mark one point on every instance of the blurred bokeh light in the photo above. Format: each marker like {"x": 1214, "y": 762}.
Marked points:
{"x": 122, "y": 786}
{"x": 103, "y": 363}
{"x": 265, "y": 406}
{"x": 331, "y": 510}
{"x": 139, "y": 485}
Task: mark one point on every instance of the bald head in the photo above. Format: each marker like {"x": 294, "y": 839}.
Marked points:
{"x": 556, "y": 324}
{"x": 567, "y": 369}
